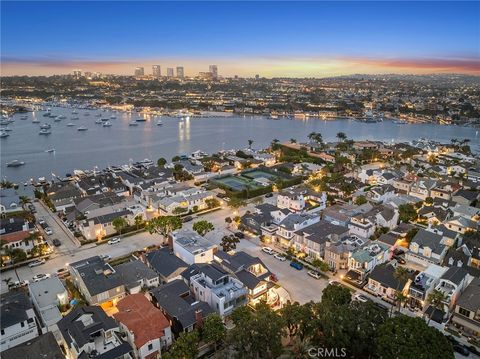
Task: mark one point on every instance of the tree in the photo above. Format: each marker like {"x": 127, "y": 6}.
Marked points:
{"x": 164, "y": 225}
{"x": 236, "y": 203}
{"x": 336, "y": 295}
{"x": 24, "y": 200}
{"x": 320, "y": 265}
{"x": 401, "y": 275}
{"x": 292, "y": 141}
{"x": 213, "y": 330}
{"x": 400, "y": 298}
{"x": 229, "y": 242}
{"x": 292, "y": 315}
{"x": 360, "y": 200}
{"x": 257, "y": 333}
{"x": 341, "y": 136}
{"x": 179, "y": 210}
{"x": 405, "y": 337}
{"x": 175, "y": 158}
{"x": 185, "y": 347}
{"x": 250, "y": 143}
{"x": 119, "y": 224}
{"x": 161, "y": 162}
{"x": 138, "y": 221}
{"x": 212, "y": 203}
{"x": 410, "y": 234}
{"x": 407, "y": 212}
{"x": 203, "y": 227}
{"x": 436, "y": 300}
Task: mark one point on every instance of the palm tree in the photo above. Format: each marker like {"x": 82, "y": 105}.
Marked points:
{"x": 435, "y": 299}
{"x": 400, "y": 298}
{"x": 24, "y": 200}
{"x": 250, "y": 143}
{"x": 138, "y": 221}
{"x": 401, "y": 275}
{"x": 341, "y": 136}
{"x": 292, "y": 140}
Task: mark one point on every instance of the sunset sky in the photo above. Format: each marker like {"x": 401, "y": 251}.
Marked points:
{"x": 294, "y": 39}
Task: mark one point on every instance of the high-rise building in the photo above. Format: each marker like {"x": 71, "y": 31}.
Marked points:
{"x": 156, "y": 71}
{"x": 214, "y": 71}
{"x": 139, "y": 71}
{"x": 170, "y": 72}
{"x": 180, "y": 73}
{"x": 77, "y": 73}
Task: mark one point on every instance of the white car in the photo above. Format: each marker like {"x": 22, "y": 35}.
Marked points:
{"x": 268, "y": 250}
{"x": 48, "y": 231}
{"x": 36, "y": 263}
{"x": 360, "y": 298}
{"x": 334, "y": 282}
{"x": 18, "y": 284}
{"x": 114, "y": 240}
{"x": 40, "y": 276}
{"x": 105, "y": 257}
{"x": 280, "y": 257}
{"x": 314, "y": 274}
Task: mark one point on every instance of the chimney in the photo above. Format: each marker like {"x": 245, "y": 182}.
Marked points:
{"x": 199, "y": 318}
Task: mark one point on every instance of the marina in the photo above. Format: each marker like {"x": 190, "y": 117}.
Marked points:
{"x": 135, "y": 136}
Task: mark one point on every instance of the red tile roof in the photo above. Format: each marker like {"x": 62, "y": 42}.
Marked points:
{"x": 142, "y": 318}
{"x": 15, "y": 236}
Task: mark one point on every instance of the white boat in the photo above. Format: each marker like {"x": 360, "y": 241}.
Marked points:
{"x": 3, "y": 134}
{"x": 36, "y": 121}
{"x": 57, "y": 119}
{"x": 50, "y": 150}
{"x": 133, "y": 123}
{"x": 44, "y": 131}
{"x": 159, "y": 123}
{"x": 74, "y": 112}
{"x": 46, "y": 126}
{"x": 62, "y": 117}
{"x": 107, "y": 124}
{"x": 82, "y": 129}
{"x": 98, "y": 122}
{"x": 23, "y": 117}
{"x": 7, "y": 129}
{"x": 70, "y": 124}
{"x": 15, "y": 163}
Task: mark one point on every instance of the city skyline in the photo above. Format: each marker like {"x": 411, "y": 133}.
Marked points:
{"x": 284, "y": 39}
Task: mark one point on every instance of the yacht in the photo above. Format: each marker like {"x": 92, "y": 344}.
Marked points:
{"x": 82, "y": 129}
{"x": 5, "y": 122}
{"x": 159, "y": 123}
{"x": 44, "y": 131}
{"x": 6, "y": 129}
{"x": 57, "y": 119}
{"x": 74, "y": 112}
{"x": 46, "y": 126}
{"x": 15, "y": 163}
{"x": 62, "y": 117}
{"x": 107, "y": 124}
{"x": 51, "y": 150}
{"x": 4, "y": 134}
{"x": 113, "y": 117}
{"x": 36, "y": 121}
{"x": 70, "y": 124}
{"x": 23, "y": 117}
{"x": 98, "y": 121}
{"x": 133, "y": 123}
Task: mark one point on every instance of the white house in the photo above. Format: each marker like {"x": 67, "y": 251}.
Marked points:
{"x": 191, "y": 247}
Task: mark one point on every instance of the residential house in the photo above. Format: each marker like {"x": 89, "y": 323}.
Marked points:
{"x": 461, "y": 224}
{"x": 336, "y": 255}
{"x": 16, "y": 234}
{"x": 102, "y": 226}
{"x": 88, "y": 332}
{"x": 364, "y": 259}
{"x": 136, "y": 276}
{"x": 146, "y": 327}
{"x": 313, "y": 239}
{"x": 98, "y": 281}
{"x": 452, "y": 283}
{"x": 222, "y": 291}
{"x": 380, "y": 194}
{"x": 423, "y": 284}
{"x": 465, "y": 197}
{"x": 422, "y": 188}
{"x": 191, "y": 247}
{"x": 466, "y": 316}
{"x": 9, "y": 201}
{"x": 47, "y": 295}
{"x": 263, "y": 220}
{"x": 18, "y": 323}
{"x": 44, "y": 346}
{"x": 63, "y": 194}
{"x": 426, "y": 247}
{"x": 383, "y": 282}
{"x": 180, "y": 306}
{"x": 292, "y": 223}
{"x": 301, "y": 199}
{"x": 165, "y": 263}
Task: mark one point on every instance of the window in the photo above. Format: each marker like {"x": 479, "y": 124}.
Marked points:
{"x": 150, "y": 346}
{"x": 22, "y": 324}
{"x": 464, "y": 312}
{"x": 3, "y": 332}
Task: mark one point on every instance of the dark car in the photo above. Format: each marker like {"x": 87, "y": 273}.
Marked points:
{"x": 239, "y": 235}
{"x": 461, "y": 349}
{"x": 268, "y": 195}
{"x": 56, "y": 242}
{"x": 187, "y": 219}
{"x": 296, "y": 265}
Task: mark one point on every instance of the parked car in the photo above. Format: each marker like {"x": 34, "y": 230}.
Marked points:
{"x": 334, "y": 282}
{"x": 360, "y": 298}
{"x": 40, "y": 276}
{"x": 56, "y": 242}
{"x": 187, "y": 219}
{"x": 268, "y": 250}
{"x": 314, "y": 274}
{"x": 114, "y": 240}
{"x": 280, "y": 257}
{"x": 239, "y": 235}
{"x": 62, "y": 273}
{"x": 268, "y": 195}
{"x": 105, "y": 257}
{"x": 296, "y": 265}
{"x": 461, "y": 349}
{"x": 36, "y": 263}
{"x": 48, "y": 231}
{"x": 18, "y": 284}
